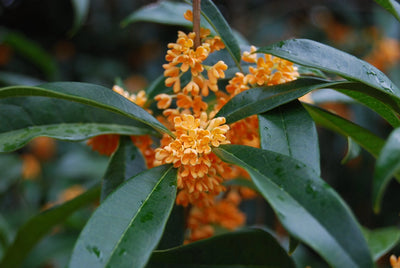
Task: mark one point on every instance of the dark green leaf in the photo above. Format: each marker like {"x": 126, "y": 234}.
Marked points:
{"x": 293, "y": 244}
{"x": 261, "y": 99}
{"x": 245, "y": 248}
{"x": 81, "y": 10}
{"x": 125, "y": 163}
{"x": 31, "y": 51}
{"x": 165, "y": 12}
{"x": 128, "y": 225}
{"x": 87, "y": 94}
{"x": 392, "y": 6}
{"x": 214, "y": 17}
{"x": 289, "y": 130}
{"x": 316, "y": 55}
{"x": 381, "y": 241}
{"x": 387, "y": 164}
{"x": 24, "y": 118}
{"x": 307, "y": 207}
{"x": 353, "y": 151}
{"x": 366, "y": 139}
{"x": 384, "y": 104}
{"x": 33, "y": 230}
{"x": 174, "y": 234}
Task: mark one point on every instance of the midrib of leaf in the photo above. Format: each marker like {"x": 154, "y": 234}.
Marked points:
{"x": 285, "y": 131}
{"x": 289, "y": 195}
{"x": 134, "y": 218}
{"x": 78, "y": 99}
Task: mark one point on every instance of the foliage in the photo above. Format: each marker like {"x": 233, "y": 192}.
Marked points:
{"x": 226, "y": 124}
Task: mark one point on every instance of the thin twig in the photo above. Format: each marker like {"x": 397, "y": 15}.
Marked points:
{"x": 196, "y": 22}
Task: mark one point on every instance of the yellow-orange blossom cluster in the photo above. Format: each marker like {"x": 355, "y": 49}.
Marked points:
{"x": 190, "y": 118}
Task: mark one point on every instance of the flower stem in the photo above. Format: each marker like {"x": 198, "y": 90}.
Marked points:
{"x": 196, "y": 22}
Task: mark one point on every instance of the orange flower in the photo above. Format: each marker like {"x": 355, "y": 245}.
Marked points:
{"x": 163, "y": 101}
{"x": 224, "y": 212}
{"x": 30, "y": 167}
{"x": 190, "y": 151}
{"x": 394, "y": 262}
{"x": 104, "y": 144}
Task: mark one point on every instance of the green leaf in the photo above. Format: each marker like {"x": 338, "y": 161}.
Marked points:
{"x": 261, "y": 99}
{"x": 244, "y": 248}
{"x": 164, "y": 12}
{"x": 87, "y": 94}
{"x": 309, "y": 209}
{"x": 31, "y": 51}
{"x": 293, "y": 244}
{"x": 384, "y": 104}
{"x": 37, "y": 227}
{"x": 174, "y": 233}
{"x": 126, "y": 162}
{"x": 316, "y": 55}
{"x": 353, "y": 151}
{"x": 289, "y": 130}
{"x": 387, "y": 164}
{"x": 131, "y": 221}
{"x": 214, "y": 17}
{"x": 24, "y": 118}
{"x": 81, "y": 10}
{"x": 381, "y": 241}
{"x": 366, "y": 139}
{"x": 392, "y": 6}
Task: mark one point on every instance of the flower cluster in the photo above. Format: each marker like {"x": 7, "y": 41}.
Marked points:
{"x": 190, "y": 151}
{"x": 196, "y": 130}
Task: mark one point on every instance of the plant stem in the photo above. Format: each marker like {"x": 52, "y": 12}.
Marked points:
{"x": 196, "y": 22}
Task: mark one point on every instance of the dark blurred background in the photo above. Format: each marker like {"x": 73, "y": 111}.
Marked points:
{"x": 102, "y": 51}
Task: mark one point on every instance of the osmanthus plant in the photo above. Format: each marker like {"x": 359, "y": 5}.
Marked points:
{"x": 222, "y": 124}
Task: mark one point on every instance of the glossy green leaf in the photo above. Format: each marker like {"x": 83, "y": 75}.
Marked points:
{"x": 381, "y": 241}
{"x": 261, "y": 99}
{"x": 316, "y": 55}
{"x": 289, "y": 130}
{"x": 366, "y": 139}
{"x": 87, "y": 94}
{"x": 384, "y": 104}
{"x": 214, "y": 17}
{"x": 126, "y": 162}
{"x": 31, "y": 51}
{"x": 37, "y": 227}
{"x": 353, "y": 151}
{"x": 24, "y": 118}
{"x": 309, "y": 209}
{"x": 131, "y": 221}
{"x": 244, "y": 248}
{"x": 392, "y": 6}
{"x": 387, "y": 164}
{"x": 164, "y": 12}
{"x": 174, "y": 233}
{"x": 293, "y": 244}
{"x": 81, "y": 10}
